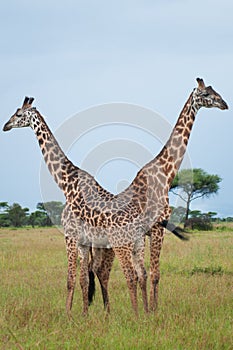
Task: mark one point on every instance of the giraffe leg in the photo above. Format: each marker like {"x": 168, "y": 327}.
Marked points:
{"x": 156, "y": 241}
{"x": 103, "y": 273}
{"x": 124, "y": 254}
{"x": 71, "y": 246}
{"x": 84, "y": 275}
{"x": 138, "y": 261}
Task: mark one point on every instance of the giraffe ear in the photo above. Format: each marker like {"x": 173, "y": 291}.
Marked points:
{"x": 201, "y": 84}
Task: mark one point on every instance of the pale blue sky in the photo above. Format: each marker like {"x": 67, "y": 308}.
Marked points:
{"x": 73, "y": 55}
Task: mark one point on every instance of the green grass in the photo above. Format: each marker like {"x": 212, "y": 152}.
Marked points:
{"x": 195, "y": 300}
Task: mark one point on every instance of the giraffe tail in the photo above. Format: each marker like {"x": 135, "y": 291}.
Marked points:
{"x": 176, "y": 230}
{"x": 91, "y": 287}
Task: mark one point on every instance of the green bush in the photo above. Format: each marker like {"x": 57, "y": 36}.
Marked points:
{"x": 199, "y": 223}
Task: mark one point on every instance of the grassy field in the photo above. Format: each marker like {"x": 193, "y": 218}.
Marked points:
{"x": 195, "y": 301}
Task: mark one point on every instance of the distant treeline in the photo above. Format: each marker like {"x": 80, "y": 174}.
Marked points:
{"x": 46, "y": 214}
{"x": 197, "y": 220}
{"x": 49, "y": 214}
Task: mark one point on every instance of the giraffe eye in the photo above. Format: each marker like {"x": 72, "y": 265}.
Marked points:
{"x": 19, "y": 113}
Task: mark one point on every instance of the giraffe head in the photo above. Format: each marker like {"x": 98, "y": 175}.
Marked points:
{"x": 205, "y": 96}
{"x": 22, "y": 117}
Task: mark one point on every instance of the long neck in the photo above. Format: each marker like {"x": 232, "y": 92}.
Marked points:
{"x": 149, "y": 189}
{"x": 172, "y": 154}
{"x": 58, "y": 164}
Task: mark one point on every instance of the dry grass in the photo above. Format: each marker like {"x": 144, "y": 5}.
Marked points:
{"x": 195, "y": 303}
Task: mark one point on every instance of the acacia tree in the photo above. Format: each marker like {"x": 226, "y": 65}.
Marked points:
{"x": 4, "y": 219}
{"x": 53, "y": 210}
{"x": 17, "y": 215}
{"x": 39, "y": 217}
{"x": 194, "y": 183}
{"x": 3, "y": 206}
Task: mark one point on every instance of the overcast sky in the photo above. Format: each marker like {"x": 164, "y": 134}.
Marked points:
{"x": 74, "y": 55}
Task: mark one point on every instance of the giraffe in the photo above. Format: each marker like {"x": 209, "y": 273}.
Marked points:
{"x": 79, "y": 187}
{"x": 92, "y": 217}
{"x": 166, "y": 165}
{"x": 148, "y": 191}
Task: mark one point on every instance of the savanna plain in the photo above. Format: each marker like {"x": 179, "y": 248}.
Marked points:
{"x": 195, "y": 299}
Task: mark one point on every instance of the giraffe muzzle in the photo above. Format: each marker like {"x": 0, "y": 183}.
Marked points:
{"x": 223, "y": 105}
{"x": 7, "y": 127}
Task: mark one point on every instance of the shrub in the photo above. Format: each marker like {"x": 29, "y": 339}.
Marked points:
{"x": 199, "y": 223}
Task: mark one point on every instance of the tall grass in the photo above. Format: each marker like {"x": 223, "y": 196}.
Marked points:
{"x": 195, "y": 301}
